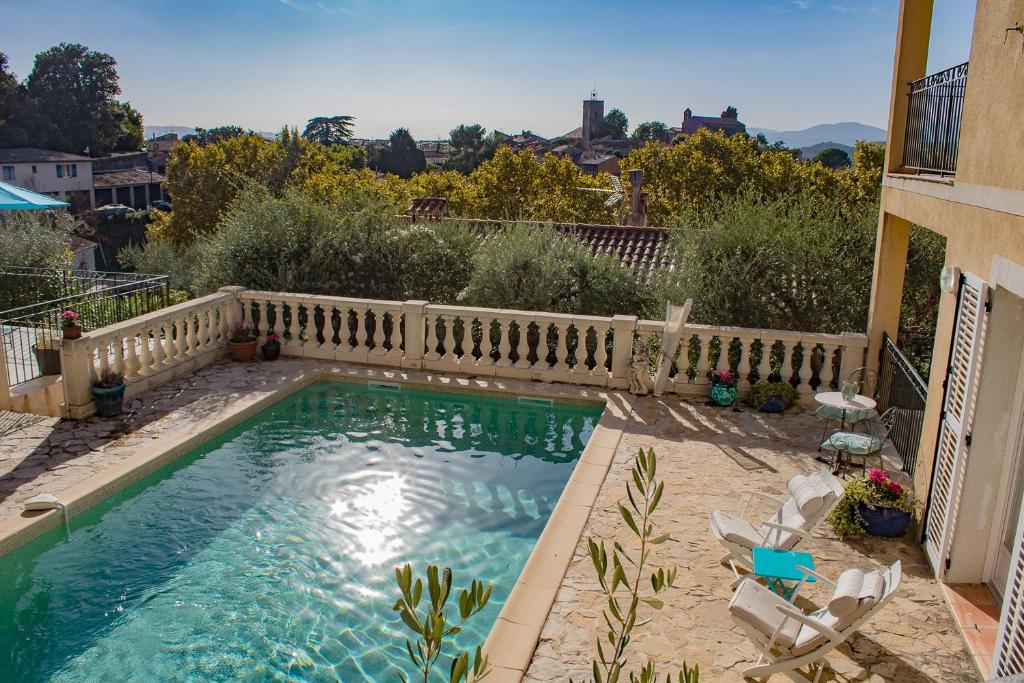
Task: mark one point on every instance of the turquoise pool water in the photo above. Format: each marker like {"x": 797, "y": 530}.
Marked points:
{"x": 269, "y": 553}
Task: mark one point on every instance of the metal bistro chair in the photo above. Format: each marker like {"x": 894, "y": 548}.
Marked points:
{"x": 867, "y": 379}
{"x": 844, "y": 445}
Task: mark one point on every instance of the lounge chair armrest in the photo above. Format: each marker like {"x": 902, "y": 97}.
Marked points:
{"x": 810, "y": 572}
{"x": 817, "y": 624}
{"x": 791, "y": 529}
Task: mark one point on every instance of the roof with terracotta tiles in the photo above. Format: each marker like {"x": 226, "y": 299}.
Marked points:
{"x": 134, "y": 176}
{"x": 644, "y": 249}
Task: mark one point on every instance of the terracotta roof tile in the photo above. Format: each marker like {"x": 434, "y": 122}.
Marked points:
{"x": 135, "y": 176}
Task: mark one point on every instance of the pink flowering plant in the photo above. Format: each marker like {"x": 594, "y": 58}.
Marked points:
{"x": 874, "y": 491}
{"x": 273, "y": 338}
{"x": 70, "y": 318}
{"x": 727, "y": 378}
{"x": 242, "y": 333}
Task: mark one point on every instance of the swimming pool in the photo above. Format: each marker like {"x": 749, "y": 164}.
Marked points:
{"x": 269, "y": 552}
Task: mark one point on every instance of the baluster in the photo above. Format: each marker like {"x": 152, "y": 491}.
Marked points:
{"x": 703, "y": 362}
{"x": 744, "y": 366}
{"x": 359, "y": 335}
{"x": 764, "y": 367}
{"x": 562, "y": 347}
{"x": 191, "y": 322}
{"x": 600, "y": 353}
{"x": 170, "y": 348}
{"x": 224, "y": 310}
{"x": 786, "y": 369}
{"x": 145, "y": 351}
{"x": 289, "y": 334}
{"x": 804, "y": 371}
{"x": 263, "y": 328}
{"x": 131, "y": 364}
{"x": 119, "y": 355}
{"x": 159, "y": 351}
{"x": 103, "y": 352}
{"x": 504, "y": 343}
{"x": 523, "y": 346}
{"x": 182, "y": 338}
{"x": 431, "y": 353}
{"x": 827, "y": 376}
{"x": 486, "y": 341}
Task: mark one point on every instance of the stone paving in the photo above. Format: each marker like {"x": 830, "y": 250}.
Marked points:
{"x": 709, "y": 457}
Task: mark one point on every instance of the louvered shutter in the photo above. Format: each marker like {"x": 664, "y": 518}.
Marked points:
{"x": 1009, "y": 657}
{"x": 958, "y": 405}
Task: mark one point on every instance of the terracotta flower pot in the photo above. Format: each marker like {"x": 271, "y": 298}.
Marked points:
{"x": 243, "y": 352}
{"x": 72, "y": 331}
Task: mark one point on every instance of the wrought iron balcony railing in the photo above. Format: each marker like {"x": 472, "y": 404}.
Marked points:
{"x": 933, "y": 121}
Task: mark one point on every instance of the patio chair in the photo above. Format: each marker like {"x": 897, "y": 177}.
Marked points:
{"x": 869, "y": 386}
{"x": 845, "y": 445}
{"x": 811, "y": 499}
{"x": 789, "y": 639}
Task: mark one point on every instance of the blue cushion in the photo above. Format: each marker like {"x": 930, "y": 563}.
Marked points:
{"x": 849, "y": 442}
{"x": 851, "y": 415}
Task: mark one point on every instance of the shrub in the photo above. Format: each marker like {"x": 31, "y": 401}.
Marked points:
{"x": 799, "y": 264}
{"x": 762, "y": 391}
{"x": 37, "y": 239}
{"x": 294, "y": 243}
{"x": 161, "y": 258}
{"x": 538, "y": 269}
{"x": 874, "y": 490}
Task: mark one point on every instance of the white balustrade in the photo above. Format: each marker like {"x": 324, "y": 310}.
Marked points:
{"x": 166, "y": 344}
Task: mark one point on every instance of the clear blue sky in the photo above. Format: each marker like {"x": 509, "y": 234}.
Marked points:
{"x": 429, "y": 65}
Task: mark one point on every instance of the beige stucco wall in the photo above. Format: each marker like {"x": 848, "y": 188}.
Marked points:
{"x": 45, "y": 178}
{"x": 993, "y": 130}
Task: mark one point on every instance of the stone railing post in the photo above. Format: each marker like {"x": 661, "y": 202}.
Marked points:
{"x": 623, "y": 328}
{"x": 234, "y": 309}
{"x": 415, "y": 339}
{"x": 5, "y": 387}
{"x": 76, "y": 370}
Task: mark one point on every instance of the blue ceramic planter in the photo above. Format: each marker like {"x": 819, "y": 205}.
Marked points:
{"x": 885, "y": 522}
{"x": 109, "y": 400}
{"x": 775, "y": 404}
{"x": 723, "y": 395}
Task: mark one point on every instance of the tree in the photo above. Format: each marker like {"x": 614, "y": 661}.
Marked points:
{"x": 209, "y": 136}
{"x": 329, "y": 130}
{"x": 74, "y": 108}
{"x": 401, "y": 156}
{"x": 12, "y": 103}
{"x": 832, "y": 158}
{"x": 470, "y": 147}
{"x": 650, "y": 130}
{"x": 131, "y": 136}
{"x": 614, "y": 125}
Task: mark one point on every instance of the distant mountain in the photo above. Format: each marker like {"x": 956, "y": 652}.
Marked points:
{"x": 845, "y": 133}
{"x": 812, "y": 151}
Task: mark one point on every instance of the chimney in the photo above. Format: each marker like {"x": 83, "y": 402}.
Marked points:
{"x": 638, "y": 200}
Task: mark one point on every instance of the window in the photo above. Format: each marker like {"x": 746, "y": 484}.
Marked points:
{"x": 8, "y": 173}
{"x": 74, "y": 170}
{"x": 33, "y": 168}
{"x": 60, "y": 171}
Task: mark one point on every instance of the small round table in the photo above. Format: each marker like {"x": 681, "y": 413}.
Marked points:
{"x": 834, "y": 399}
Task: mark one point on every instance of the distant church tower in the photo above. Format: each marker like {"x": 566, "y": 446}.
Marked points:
{"x": 593, "y": 117}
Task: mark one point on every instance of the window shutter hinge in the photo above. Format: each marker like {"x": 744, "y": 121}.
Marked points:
{"x": 968, "y": 439}
{"x": 988, "y": 306}
{"x": 947, "y": 564}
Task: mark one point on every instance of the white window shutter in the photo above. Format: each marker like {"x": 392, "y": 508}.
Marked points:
{"x": 957, "y": 413}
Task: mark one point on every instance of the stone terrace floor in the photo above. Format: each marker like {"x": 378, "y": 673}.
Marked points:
{"x": 709, "y": 457}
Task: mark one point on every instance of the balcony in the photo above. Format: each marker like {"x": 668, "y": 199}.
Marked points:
{"x": 934, "y": 114}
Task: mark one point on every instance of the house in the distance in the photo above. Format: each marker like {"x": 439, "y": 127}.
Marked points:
{"x": 728, "y": 123}
{"x": 58, "y": 174}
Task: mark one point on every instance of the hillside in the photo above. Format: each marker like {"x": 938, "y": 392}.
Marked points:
{"x": 845, "y": 133}
{"x": 811, "y": 151}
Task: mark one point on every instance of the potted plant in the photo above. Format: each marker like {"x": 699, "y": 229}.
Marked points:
{"x": 272, "y": 347}
{"x": 874, "y": 504}
{"x": 71, "y": 323}
{"x": 108, "y": 393}
{"x": 723, "y": 387}
{"x": 242, "y": 342}
{"x": 773, "y": 397}
{"x": 47, "y": 353}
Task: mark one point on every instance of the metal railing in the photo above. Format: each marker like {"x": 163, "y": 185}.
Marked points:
{"x": 31, "y": 331}
{"x": 902, "y": 388}
{"x": 934, "y": 114}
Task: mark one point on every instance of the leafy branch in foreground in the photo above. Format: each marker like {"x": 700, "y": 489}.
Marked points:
{"x": 644, "y": 494}
{"x": 433, "y": 627}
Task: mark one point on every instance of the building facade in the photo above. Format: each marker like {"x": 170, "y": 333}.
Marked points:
{"x": 950, "y": 168}
{"x": 60, "y": 175}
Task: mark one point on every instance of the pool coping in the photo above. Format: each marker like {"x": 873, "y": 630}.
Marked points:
{"x": 511, "y": 643}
